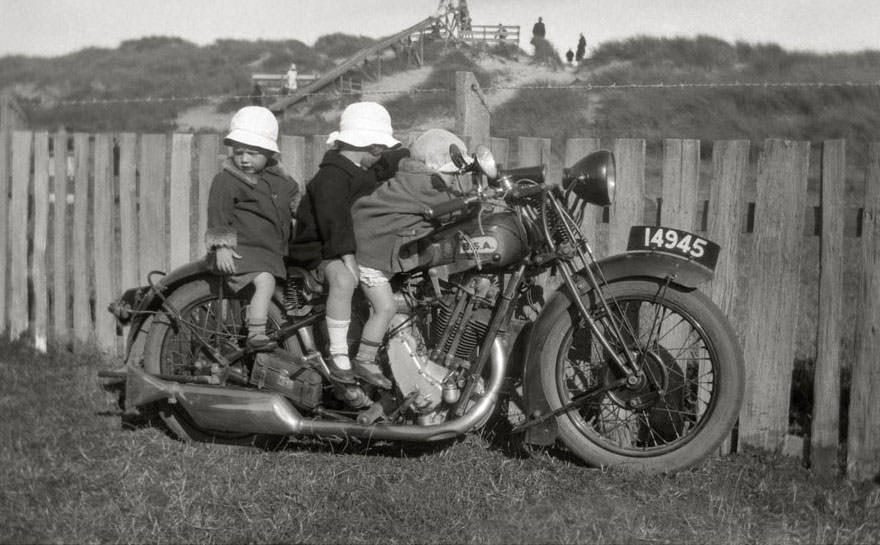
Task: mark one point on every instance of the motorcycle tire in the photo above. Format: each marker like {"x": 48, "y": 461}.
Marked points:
{"x": 688, "y": 399}
{"x": 169, "y": 350}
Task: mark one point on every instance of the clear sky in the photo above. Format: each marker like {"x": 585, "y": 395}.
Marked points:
{"x": 57, "y": 27}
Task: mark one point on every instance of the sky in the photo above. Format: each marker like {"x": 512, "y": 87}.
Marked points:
{"x": 58, "y": 27}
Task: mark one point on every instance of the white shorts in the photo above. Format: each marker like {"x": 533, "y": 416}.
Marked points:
{"x": 373, "y": 277}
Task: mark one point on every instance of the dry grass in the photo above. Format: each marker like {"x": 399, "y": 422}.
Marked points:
{"x": 75, "y": 470}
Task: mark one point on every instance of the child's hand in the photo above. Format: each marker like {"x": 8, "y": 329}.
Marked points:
{"x": 225, "y": 258}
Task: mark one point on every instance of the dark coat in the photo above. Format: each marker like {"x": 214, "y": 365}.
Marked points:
{"x": 393, "y": 215}
{"x": 324, "y": 228}
{"x": 252, "y": 214}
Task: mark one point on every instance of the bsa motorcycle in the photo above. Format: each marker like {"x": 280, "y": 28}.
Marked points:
{"x": 621, "y": 359}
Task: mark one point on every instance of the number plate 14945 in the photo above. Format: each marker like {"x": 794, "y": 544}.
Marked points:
{"x": 676, "y": 242}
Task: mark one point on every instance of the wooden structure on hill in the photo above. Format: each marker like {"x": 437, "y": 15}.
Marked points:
{"x": 355, "y": 62}
{"x": 446, "y": 25}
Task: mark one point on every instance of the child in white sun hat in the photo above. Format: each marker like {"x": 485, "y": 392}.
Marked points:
{"x": 364, "y": 153}
{"x": 250, "y": 208}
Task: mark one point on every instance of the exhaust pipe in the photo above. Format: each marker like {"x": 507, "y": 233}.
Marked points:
{"x": 248, "y": 411}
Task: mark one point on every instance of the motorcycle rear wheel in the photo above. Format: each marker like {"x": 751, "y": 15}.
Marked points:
{"x": 689, "y": 397}
{"x": 173, "y": 350}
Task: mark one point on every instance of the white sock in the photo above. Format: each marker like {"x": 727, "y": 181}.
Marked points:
{"x": 337, "y": 330}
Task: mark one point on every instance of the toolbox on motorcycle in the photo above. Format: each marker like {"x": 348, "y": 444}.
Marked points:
{"x": 288, "y": 375}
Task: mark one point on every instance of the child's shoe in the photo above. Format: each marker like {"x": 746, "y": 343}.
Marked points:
{"x": 369, "y": 372}
{"x": 260, "y": 343}
{"x": 340, "y": 374}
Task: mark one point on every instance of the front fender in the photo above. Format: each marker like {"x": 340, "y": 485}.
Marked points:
{"x": 628, "y": 265}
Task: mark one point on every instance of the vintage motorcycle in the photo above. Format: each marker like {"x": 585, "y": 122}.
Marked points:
{"x": 623, "y": 361}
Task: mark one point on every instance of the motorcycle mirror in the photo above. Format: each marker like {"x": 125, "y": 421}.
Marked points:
{"x": 486, "y": 161}
{"x": 593, "y": 178}
{"x": 457, "y": 157}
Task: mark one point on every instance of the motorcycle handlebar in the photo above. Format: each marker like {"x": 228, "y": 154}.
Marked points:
{"x": 446, "y": 208}
{"x": 526, "y": 192}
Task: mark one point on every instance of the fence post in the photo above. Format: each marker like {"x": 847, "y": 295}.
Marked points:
{"x": 532, "y": 151}
{"x": 293, "y": 157}
{"x": 82, "y": 319}
{"x": 774, "y": 281}
{"x": 681, "y": 180}
{"x": 129, "y": 249}
{"x": 318, "y": 148}
{"x": 105, "y": 265}
{"x": 179, "y": 186}
{"x": 628, "y": 208}
{"x": 471, "y": 110}
{"x": 208, "y": 147}
{"x": 39, "y": 273}
{"x": 22, "y": 147}
{"x": 500, "y": 148}
{"x": 5, "y": 144}
{"x": 826, "y": 380}
{"x": 153, "y": 202}
{"x": 863, "y": 437}
{"x": 60, "y": 242}
{"x": 730, "y": 161}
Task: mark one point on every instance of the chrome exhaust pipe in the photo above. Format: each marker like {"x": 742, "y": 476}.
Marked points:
{"x": 262, "y": 412}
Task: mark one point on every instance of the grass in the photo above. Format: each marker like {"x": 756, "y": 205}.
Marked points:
{"x": 76, "y": 470}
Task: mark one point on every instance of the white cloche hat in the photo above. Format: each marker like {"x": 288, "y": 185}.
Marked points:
{"x": 363, "y": 124}
{"x": 254, "y": 126}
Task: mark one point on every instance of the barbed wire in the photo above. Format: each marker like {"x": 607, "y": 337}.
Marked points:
{"x": 579, "y": 87}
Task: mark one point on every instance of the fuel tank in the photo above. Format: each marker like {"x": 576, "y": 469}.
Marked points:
{"x": 495, "y": 241}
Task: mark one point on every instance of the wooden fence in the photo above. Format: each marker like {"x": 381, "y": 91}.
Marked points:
{"x": 85, "y": 216}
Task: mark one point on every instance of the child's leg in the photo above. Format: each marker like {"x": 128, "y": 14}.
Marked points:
{"x": 341, "y": 283}
{"x": 382, "y": 300}
{"x": 258, "y": 312}
{"x": 378, "y": 291}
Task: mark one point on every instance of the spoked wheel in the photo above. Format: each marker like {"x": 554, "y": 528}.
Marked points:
{"x": 175, "y": 347}
{"x": 677, "y": 410}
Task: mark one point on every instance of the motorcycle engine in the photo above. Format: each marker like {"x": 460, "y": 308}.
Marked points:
{"x": 430, "y": 372}
{"x": 415, "y": 374}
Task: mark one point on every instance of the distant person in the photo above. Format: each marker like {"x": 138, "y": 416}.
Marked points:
{"x": 290, "y": 83}
{"x": 464, "y": 16}
{"x": 250, "y": 216}
{"x": 501, "y": 34}
{"x": 581, "y": 49}
{"x": 569, "y": 55}
{"x": 257, "y": 95}
{"x": 538, "y": 31}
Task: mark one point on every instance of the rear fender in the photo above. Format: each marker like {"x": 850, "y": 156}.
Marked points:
{"x": 144, "y": 301}
{"x": 629, "y": 265}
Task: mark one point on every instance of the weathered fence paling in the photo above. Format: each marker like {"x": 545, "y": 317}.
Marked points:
{"x": 110, "y": 208}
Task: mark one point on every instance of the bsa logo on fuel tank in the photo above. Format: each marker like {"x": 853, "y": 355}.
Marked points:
{"x": 480, "y": 245}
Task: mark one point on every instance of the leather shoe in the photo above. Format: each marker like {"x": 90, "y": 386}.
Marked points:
{"x": 370, "y": 373}
{"x": 260, "y": 343}
{"x": 338, "y": 374}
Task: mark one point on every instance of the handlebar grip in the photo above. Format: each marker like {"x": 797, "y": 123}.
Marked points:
{"x": 445, "y": 208}
{"x": 525, "y": 192}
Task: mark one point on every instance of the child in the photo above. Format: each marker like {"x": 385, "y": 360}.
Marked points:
{"x": 325, "y": 235}
{"x": 250, "y": 212}
{"x": 392, "y": 216}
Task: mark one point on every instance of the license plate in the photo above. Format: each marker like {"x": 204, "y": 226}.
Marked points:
{"x": 676, "y": 242}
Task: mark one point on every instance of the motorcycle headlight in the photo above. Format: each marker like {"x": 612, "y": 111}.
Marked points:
{"x": 592, "y": 178}
{"x": 486, "y": 161}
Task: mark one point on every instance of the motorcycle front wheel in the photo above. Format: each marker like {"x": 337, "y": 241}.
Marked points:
{"x": 174, "y": 346}
{"x": 688, "y": 394}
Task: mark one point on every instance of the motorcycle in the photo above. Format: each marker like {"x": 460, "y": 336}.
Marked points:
{"x": 622, "y": 359}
